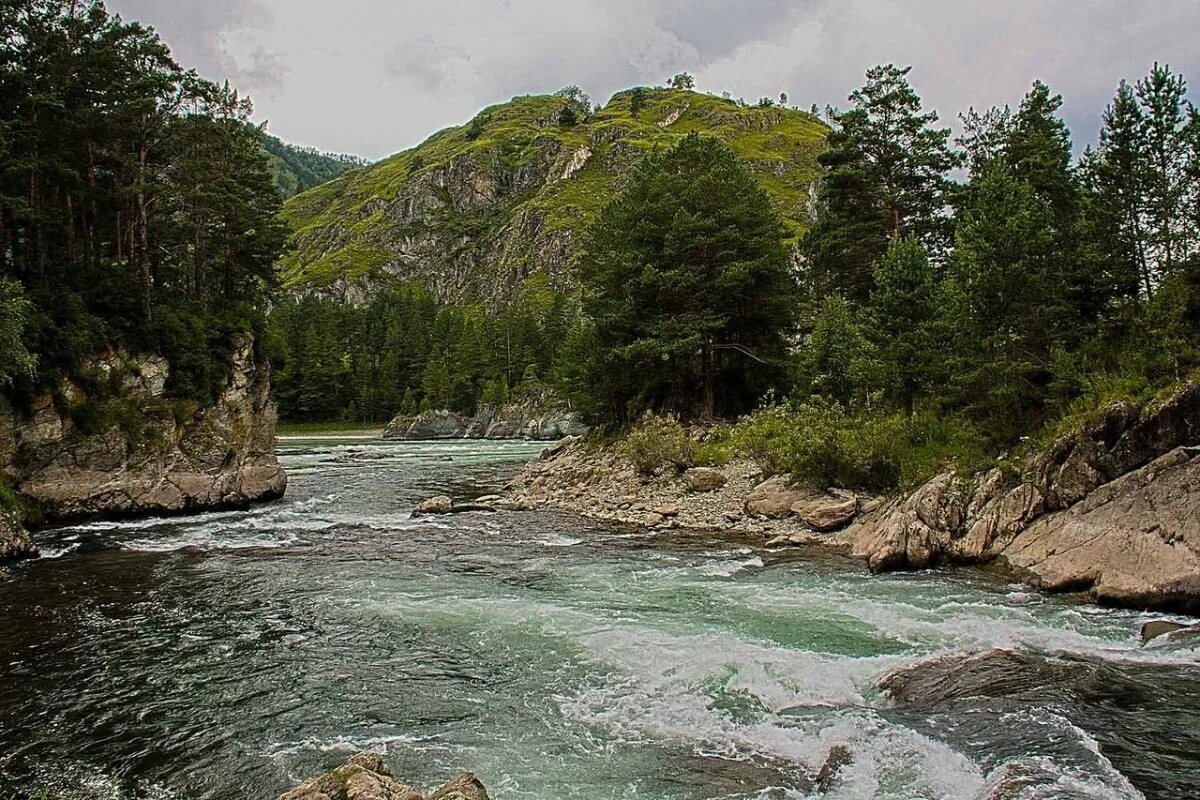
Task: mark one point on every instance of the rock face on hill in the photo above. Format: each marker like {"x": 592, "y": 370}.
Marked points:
{"x": 475, "y": 210}
{"x": 140, "y": 452}
{"x": 366, "y": 777}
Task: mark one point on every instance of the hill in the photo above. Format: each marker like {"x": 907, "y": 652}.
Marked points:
{"x": 476, "y": 209}
{"x": 297, "y": 169}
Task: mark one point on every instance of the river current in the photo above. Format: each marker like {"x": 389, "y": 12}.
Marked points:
{"x": 230, "y": 655}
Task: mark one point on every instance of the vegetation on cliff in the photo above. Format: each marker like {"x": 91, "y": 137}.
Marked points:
{"x": 474, "y": 208}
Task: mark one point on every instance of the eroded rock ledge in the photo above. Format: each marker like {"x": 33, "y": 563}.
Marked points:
{"x": 165, "y": 457}
{"x": 1112, "y": 510}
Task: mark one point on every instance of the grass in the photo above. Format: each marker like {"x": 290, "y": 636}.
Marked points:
{"x": 348, "y": 227}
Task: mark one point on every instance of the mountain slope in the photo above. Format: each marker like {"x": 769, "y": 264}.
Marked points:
{"x": 297, "y": 169}
{"x": 476, "y": 209}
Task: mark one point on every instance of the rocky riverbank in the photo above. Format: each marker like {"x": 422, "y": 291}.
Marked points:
{"x": 1112, "y": 510}
{"x": 515, "y": 421}
{"x": 141, "y": 453}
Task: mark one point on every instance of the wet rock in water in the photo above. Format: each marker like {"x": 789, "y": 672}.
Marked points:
{"x": 440, "y": 504}
{"x": 1016, "y": 780}
{"x": 464, "y": 787}
{"x": 1170, "y": 631}
{"x": 366, "y": 777}
{"x": 704, "y": 479}
{"x": 958, "y": 676}
{"x": 774, "y": 498}
{"x": 826, "y": 512}
{"x": 438, "y": 424}
{"x": 838, "y": 758}
{"x": 362, "y": 777}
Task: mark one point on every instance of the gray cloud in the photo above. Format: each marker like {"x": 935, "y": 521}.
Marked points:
{"x": 375, "y": 76}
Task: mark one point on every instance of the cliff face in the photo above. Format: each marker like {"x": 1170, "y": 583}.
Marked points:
{"x": 475, "y": 210}
{"x": 146, "y": 454}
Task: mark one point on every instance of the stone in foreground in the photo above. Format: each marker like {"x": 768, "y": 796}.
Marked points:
{"x": 366, "y": 777}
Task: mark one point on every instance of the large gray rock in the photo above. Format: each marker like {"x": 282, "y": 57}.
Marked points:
{"x": 179, "y": 458}
{"x": 366, "y": 777}
{"x": 426, "y": 426}
{"x": 527, "y": 420}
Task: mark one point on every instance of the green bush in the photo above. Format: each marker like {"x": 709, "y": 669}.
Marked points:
{"x": 824, "y": 445}
{"x": 657, "y": 442}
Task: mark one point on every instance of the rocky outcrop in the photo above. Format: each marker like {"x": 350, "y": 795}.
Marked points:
{"x": 366, "y": 777}
{"x": 516, "y": 421}
{"x": 1112, "y": 510}
{"x": 142, "y": 453}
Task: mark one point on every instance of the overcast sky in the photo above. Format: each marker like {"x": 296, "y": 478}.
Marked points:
{"x": 372, "y": 77}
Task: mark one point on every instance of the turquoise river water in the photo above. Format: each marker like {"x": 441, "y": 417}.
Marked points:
{"x": 230, "y": 655}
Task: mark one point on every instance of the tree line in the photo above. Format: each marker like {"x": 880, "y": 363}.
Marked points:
{"x": 999, "y": 298}
{"x": 136, "y": 208}
{"x": 402, "y": 352}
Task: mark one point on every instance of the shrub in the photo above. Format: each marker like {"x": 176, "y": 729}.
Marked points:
{"x": 657, "y": 442}
{"x": 824, "y": 445}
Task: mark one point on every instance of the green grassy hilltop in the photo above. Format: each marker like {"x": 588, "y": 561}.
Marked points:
{"x": 475, "y": 209}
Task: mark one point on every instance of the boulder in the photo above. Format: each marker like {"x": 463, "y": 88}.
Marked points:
{"x": 1134, "y": 541}
{"x": 774, "y": 498}
{"x": 667, "y": 510}
{"x": 428, "y": 425}
{"x": 464, "y": 787}
{"x": 441, "y": 504}
{"x": 1161, "y": 627}
{"x": 652, "y": 520}
{"x": 361, "y": 777}
{"x": 945, "y": 679}
{"x": 704, "y": 479}
{"x": 366, "y": 777}
{"x": 826, "y": 512}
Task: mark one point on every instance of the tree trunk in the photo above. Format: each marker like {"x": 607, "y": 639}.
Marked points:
{"x": 710, "y": 389}
{"x": 143, "y": 239}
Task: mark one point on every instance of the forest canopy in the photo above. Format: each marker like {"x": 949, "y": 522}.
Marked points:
{"x": 136, "y": 207}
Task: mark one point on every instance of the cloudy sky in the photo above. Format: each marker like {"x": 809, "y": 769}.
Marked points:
{"x": 375, "y": 76}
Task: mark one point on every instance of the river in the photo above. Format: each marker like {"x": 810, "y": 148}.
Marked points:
{"x": 230, "y": 655}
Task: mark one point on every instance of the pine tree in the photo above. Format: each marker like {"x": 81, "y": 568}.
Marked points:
{"x": 887, "y": 177}
{"x": 1162, "y": 95}
{"x": 901, "y": 315}
{"x": 686, "y": 279}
